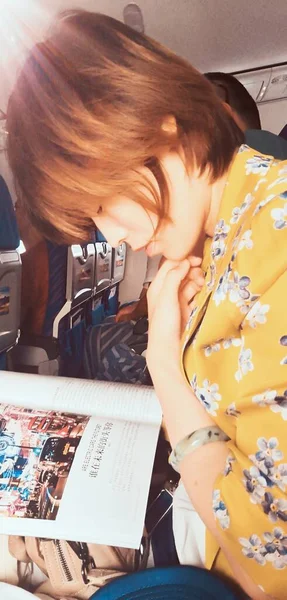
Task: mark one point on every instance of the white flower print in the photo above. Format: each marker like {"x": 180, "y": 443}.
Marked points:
{"x": 259, "y": 183}
{"x": 243, "y": 148}
{"x": 275, "y": 508}
{"x": 208, "y": 350}
{"x": 255, "y": 484}
{"x": 245, "y": 363}
{"x": 218, "y": 246}
{"x": 246, "y": 241}
{"x": 211, "y": 389}
{"x": 239, "y": 211}
{"x": 283, "y": 342}
{"x": 276, "y": 546}
{"x": 232, "y": 411}
{"x": 263, "y": 203}
{"x": 237, "y": 287}
{"x": 280, "y": 406}
{"x": 267, "y": 455}
{"x": 257, "y": 315}
{"x": 208, "y": 395}
{"x": 283, "y": 170}
{"x": 274, "y": 550}
{"x": 246, "y": 202}
{"x": 279, "y": 215}
{"x": 193, "y": 383}
{"x": 278, "y": 561}
{"x": 228, "y": 465}
{"x": 278, "y": 476}
{"x": 222, "y": 288}
{"x": 220, "y": 511}
{"x": 277, "y": 181}
{"x": 258, "y": 165}
{"x": 253, "y": 548}
{"x": 221, "y": 229}
{"x": 266, "y": 398}
{"x": 245, "y": 305}
{"x": 268, "y": 449}
{"x": 236, "y": 214}
{"x": 212, "y": 272}
{"x": 191, "y": 317}
{"x": 231, "y": 342}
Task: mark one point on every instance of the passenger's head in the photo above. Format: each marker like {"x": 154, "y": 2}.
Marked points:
{"x": 235, "y": 95}
{"x": 107, "y": 126}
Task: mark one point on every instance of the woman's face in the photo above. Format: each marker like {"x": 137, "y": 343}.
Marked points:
{"x": 122, "y": 219}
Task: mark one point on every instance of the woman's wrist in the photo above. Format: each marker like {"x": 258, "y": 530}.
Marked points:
{"x": 182, "y": 411}
{"x": 164, "y": 372}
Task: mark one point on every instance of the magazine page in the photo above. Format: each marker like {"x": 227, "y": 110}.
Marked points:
{"x": 70, "y": 476}
{"x": 81, "y": 396}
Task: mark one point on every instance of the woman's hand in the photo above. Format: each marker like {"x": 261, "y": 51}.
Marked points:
{"x": 169, "y": 305}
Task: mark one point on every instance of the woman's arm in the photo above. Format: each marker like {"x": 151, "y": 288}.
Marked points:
{"x": 200, "y": 469}
{"x": 183, "y": 414}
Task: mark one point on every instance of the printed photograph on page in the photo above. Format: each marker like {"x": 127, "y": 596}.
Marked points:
{"x": 37, "y": 449}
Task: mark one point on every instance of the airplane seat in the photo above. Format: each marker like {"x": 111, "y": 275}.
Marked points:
{"x": 118, "y": 273}
{"x": 110, "y": 270}
{"x": 40, "y": 352}
{"x": 75, "y": 316}
{"x": 57, "y": 350}
{"x": 102, "y": 280}
{"x": 10, "y": 275}
{"x": 57, "y": 259}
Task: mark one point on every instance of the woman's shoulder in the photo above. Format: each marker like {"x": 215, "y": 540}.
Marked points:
{"x": 261, "y": 181}
{"x": 255, "y": 163}
{"x": 251, "y": 236}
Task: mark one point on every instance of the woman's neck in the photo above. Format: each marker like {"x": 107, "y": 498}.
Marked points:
{"x": 217, "y": 191}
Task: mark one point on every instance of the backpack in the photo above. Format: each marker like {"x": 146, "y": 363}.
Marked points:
{"x": 113, "y": 352}
{"x": 73, "y": 569}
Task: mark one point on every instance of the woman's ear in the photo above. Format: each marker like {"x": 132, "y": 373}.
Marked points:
{"x": 169, "y": 125}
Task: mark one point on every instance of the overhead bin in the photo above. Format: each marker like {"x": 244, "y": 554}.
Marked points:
{"x": 266, "y": 84}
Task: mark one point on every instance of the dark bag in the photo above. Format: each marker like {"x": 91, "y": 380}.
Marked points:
{"x": 112, "y": 352}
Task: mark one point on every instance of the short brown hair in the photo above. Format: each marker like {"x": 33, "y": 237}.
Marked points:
{"x": 86, "y": 113}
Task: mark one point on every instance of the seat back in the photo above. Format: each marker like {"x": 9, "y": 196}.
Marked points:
{"x": 103, "y": 270}
{"x": 80, "y": 273}
{"x": 119, "y": 263}
{"x": 10, "y": 274}
{"x": 57, "y": 260}
{"x": 39, "y": 352}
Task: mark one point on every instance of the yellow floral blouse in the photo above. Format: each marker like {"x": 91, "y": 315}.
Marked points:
{"x": 235, "y": 358}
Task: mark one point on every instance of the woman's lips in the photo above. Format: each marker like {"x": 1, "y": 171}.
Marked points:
{"x": 151, "y": 249}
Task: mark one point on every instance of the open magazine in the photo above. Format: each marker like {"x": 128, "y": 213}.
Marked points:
{"x": 76, "y": 458}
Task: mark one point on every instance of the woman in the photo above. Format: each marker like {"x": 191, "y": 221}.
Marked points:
{"x": 108, "y": 128}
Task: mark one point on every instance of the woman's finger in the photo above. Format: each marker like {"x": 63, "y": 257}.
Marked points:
{"x": 156, "y": 286}
{"x": 172, "y": 283}
{"x": 189, "y": 290}
{"x": 195, "y": 261}
{"x": 196, "y": 274}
